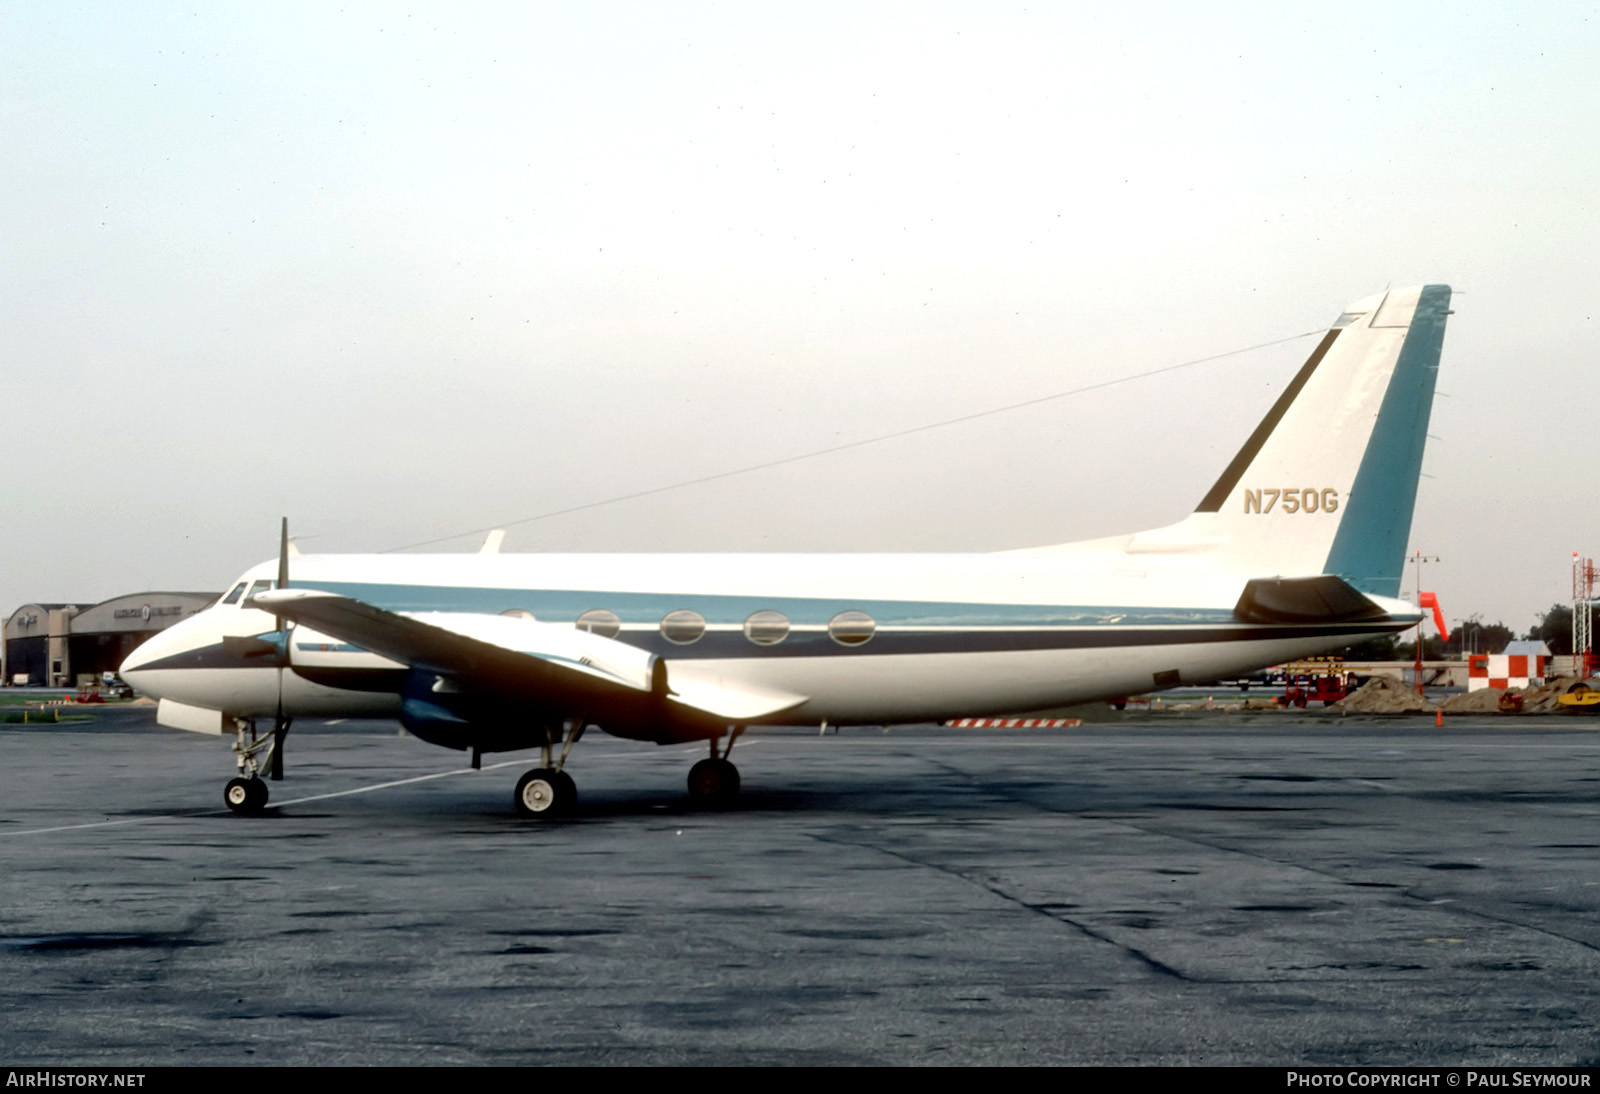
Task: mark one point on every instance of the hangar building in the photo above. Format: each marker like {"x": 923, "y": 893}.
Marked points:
{"x": 64, "y": 645}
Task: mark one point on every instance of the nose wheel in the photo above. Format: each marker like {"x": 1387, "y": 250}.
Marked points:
{"x": 245, "y": 795}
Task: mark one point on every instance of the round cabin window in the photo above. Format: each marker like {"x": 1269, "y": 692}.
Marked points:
{"x": 683, "y": 627}
{"x": 851, "y": 628}
{"x": 766, "y": 628}
{"x": 600, "y": 621}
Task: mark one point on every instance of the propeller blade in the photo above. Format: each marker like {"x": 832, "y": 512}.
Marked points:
{"x": 280, "y": 724}
{"x": 283, "y": 555}
{"x": 280, "y": 730}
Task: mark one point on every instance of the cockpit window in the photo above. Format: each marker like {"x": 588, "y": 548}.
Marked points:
{"x": 233, "y": 597}
{"x": 262, "y": 587}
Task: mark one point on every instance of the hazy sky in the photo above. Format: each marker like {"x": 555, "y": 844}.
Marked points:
{"x": 403, "y": 271}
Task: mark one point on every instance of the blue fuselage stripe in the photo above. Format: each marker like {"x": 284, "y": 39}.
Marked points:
{"x": 902, "y": 627}
{"x": 647, "y": 609}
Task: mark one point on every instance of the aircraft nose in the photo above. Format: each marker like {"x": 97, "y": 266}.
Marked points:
{"x": 138, "y": 668}
{"x": 132, "y": 670}
{"x": 137, "y": 659}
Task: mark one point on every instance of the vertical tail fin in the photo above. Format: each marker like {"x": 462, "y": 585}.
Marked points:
{"x": 1328, "y": 480}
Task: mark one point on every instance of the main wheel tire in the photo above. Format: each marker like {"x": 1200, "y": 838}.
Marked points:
{"x": 567, "y": 792}
{"x": 545, "y": 793}
{"x": 245, "y": 795}
{"x": 713, "y": 782}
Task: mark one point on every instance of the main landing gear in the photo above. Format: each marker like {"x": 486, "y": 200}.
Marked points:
{"x": 547, "y": 791}
{"x": 715, "y": 781}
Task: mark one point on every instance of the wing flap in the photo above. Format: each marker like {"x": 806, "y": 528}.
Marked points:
{"x": 732, "y": 702}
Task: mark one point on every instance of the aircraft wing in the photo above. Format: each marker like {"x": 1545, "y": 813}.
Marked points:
{"x": 514, "y": 658}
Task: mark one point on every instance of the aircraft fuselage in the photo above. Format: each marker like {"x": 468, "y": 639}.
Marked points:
{"x": 865, "y": 638}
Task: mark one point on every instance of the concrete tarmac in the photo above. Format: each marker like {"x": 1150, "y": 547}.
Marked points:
{"x": 1216, "y": 889}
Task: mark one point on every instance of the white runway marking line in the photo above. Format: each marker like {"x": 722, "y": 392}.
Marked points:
{"x": 1162, "y": 743}
{"x": 109, "y": 824}
{"x": 391, "y": 783}
{"x": 273, "y": 805}
{"x": 278, "y": 805}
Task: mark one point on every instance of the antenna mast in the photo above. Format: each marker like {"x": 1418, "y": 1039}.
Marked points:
{"x": 1583, "y": 581}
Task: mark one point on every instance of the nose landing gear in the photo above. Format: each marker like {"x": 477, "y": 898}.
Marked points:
{"x": 248, "y": 793}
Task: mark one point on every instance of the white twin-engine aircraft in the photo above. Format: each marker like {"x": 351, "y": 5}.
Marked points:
{"x": 1297, "y": 549}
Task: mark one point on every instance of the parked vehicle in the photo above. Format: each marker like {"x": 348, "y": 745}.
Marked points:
{"x": 1581, "y": 697}
{"x": 1323, "y": 681}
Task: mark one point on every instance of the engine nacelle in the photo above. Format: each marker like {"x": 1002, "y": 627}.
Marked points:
{"x": 433, "y": 711}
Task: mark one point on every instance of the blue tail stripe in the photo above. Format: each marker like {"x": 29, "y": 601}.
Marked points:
{"x": 1369, "y": 548}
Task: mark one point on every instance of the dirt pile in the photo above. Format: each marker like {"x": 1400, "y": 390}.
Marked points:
{"x": 1482, "y": 701}
{"x": 1546, "y": 697}
{"x": 1384, "y": 695}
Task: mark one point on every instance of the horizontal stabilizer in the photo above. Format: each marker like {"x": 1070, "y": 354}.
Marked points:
{"x": 1324, "y": 599}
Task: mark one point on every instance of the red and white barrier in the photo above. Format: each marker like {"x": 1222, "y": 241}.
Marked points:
{"x": 1016, "y": 723}
{"x": 1505, "y": 670}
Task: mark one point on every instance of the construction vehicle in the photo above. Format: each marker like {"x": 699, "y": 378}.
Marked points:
{"x": 1319, "y": 679}
{"x": 1581, "y": 698}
